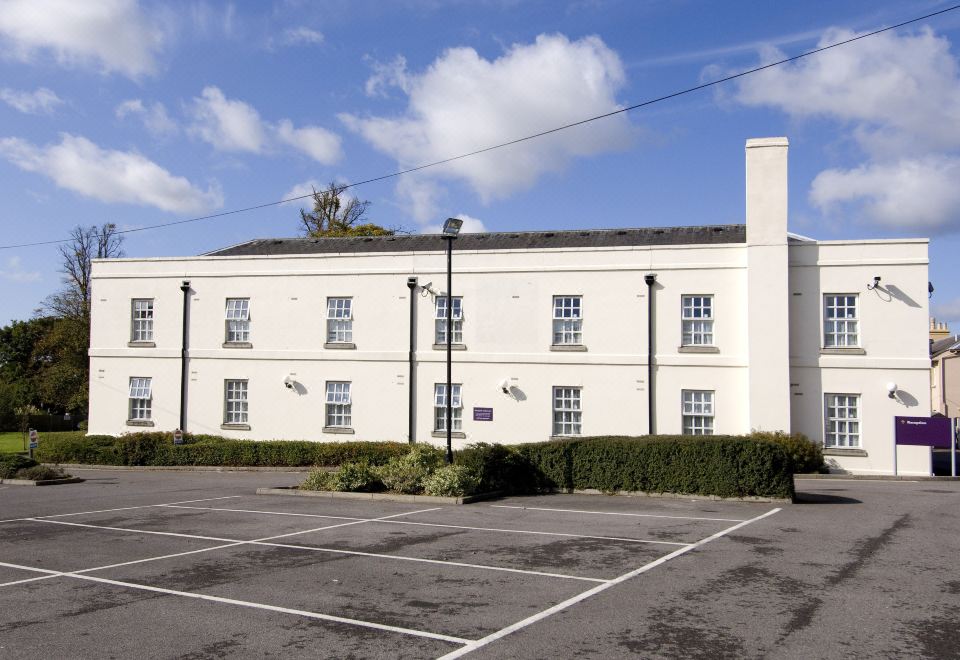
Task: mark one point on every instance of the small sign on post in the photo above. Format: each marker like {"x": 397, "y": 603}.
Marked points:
{"x": 178, "y": 437}
{"x": 34, "y": 441}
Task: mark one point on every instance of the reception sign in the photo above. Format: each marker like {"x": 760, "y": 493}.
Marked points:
{"x": 924, "y": 431}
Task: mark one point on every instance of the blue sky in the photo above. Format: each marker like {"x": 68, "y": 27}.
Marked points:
{"x": 143, "y": 113}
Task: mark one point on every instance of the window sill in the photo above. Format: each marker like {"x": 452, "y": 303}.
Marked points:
{"x": 698, "y": 349}
{"x": 342, "y": 345}
{"x": 237, "y": 344}
{"x": 853, "y": 350}
{"x": 235, "y": 427}
{"x": 139, "y": 422}
{"x": 460, "y": 435}
{"x": 338, "y": 429}
{"x": 453, "y": 347}
{"x": 141, "y": 344}
{"x": 844, "y": 451}
{"x": 568, "y": 348}
{"x": 564, "y": 437}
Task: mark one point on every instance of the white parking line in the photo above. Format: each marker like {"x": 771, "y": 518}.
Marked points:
{"x": 424, "y": 524}
{"x": 609, "y": 513}
{"x": 267, "y": 541}
{"x": 473, "y": 646}
{"x": 122, "y": 508}
{"x": 259, "y": 606}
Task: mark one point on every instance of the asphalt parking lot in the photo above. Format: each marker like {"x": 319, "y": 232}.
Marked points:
{"x": 195, "y": 565}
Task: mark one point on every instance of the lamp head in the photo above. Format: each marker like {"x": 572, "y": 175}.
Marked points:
{"x": 892, "y": 389}
{"x": 451, "y": 227}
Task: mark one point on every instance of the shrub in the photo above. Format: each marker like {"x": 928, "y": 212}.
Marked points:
{"x": 805, "y": 455}
{"x": 317, "y": 480}
{"x": 10, "y": 464}
{"x": 451, "y": 481}
{"x": 499, "y": 468}
{"x": 727, "y": 466}
{"x": 356, "y": 477}
{"x": 406, "y": 474}
{"x": 41, "y": 473}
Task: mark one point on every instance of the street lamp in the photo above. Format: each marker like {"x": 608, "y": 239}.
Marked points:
{"x": 450, "y": 230}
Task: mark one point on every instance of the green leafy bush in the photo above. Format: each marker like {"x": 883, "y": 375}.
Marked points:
{"x": 727, "y": 466}
{"x": 451, "y": 481}
{"x": 406, "y": 474}
{"x": 41, "y": 473}
{"x": 805, "y": 454}
{"x": 158, "y": 449}
{"x": 356, "y": 477}
{"x": 499, "y": 468}
{"x": 318, "y": 480}
{"x": 10, "y": 464}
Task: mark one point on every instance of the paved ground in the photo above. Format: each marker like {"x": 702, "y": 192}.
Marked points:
{"x": 193, "y": 565}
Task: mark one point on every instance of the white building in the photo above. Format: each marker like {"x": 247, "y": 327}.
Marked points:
{"x": 754, "y": 328}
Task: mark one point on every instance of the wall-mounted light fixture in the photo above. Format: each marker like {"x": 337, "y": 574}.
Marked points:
{"x": 876, "y": 283}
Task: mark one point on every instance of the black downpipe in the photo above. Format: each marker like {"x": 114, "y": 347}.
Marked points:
{"x": 185, "y": 287}
{"x": 651, "y": 394}
{"x": 412, "y": 285}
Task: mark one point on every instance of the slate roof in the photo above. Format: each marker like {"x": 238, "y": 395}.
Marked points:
{"x": 706, "y": 235}
{"x": 943, "y": 345}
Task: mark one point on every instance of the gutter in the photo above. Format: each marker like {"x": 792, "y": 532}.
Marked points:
{"x": 650, "y": 279}
{"x": 185, "y": 287}
{"x": 411, "y": 357}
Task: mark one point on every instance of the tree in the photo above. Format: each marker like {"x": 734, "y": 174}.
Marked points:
{"x": 85, "y": 245}
{"x": 335, "y": 215}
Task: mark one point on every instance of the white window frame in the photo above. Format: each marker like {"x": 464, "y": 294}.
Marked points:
{"x": 567, "y": 410}
{"x": 697, "y": 316}
{"x": 568, "y": 320}
{"x": 236, "y": 401}
{"x": 841, "y": 331}
{"x": 141, "y": 320}
{"x": 841, "y": 430}
{"x": 440, "y": 316}
{"x": 697, "y": 411}
{"x": 237, "y": 316}
{"x": 141, "y": 398}
{"x": 440, "y": 407}
{"x": 338, "y": 412}
{"x": 340, "y": 320}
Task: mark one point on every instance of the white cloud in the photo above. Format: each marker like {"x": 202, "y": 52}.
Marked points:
{"x": 421, "y": 196}
{"x": 41, "y": 101}
{"x": 463, "y": 102}
{"x": 389, "y": 74}
{"x": 301, "y": 35}
{"x": 226, "y": 124}
{"x": 471, "y": 225}
{"x": 111, "y": 35}
{"x": 155, "y": 118}
{"x": 301, "y": 189}
{"x": 79, "y": 165}
{"x": 907, "y": 194}
{"x": 233, "y": 125}
{"x": 13, "y": 271}
{"x": 896, "y": 90}
{"x": 318, "y": 143}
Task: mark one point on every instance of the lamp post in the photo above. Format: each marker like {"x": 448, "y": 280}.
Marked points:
{"x": 450, "y": 230}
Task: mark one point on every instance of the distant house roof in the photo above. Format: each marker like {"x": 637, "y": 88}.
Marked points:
{"x": 944, "y": 345}
{"x": 707, "y": 235}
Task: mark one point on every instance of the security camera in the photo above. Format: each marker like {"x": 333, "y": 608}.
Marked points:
{"x": 892, "y": 390}
{"x": 288, "y": 382}
{"x": 504, "y": 386}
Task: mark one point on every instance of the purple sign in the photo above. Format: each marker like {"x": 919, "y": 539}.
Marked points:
{"x": 483, "y": 414}
{"x": 923, "y": 431}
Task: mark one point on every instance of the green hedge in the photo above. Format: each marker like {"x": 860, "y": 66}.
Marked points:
{"x": 149, "y": 449}
{"x": 727, "y": 466}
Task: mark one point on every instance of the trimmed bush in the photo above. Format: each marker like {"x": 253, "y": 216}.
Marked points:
{"x": 726, "y": 466}
{"x": 499, "y": 468}
{"x": 406, "y": 474}
{"x": 451, "y": 481}
{"x": 10, "y": 464}
{"x": 356, "y": 477}
{"x": 805, "y": 454}
{"x": 158, "y": 449}
{"x": 41, "y": 473}
{"x": 317, "y": 480}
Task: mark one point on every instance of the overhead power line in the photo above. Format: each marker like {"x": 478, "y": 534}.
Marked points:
{"x": 527, "y": 138}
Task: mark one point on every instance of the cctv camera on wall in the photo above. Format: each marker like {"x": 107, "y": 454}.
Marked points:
{"x": 504, "y": 386}
{"x": 288, "y": 382}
